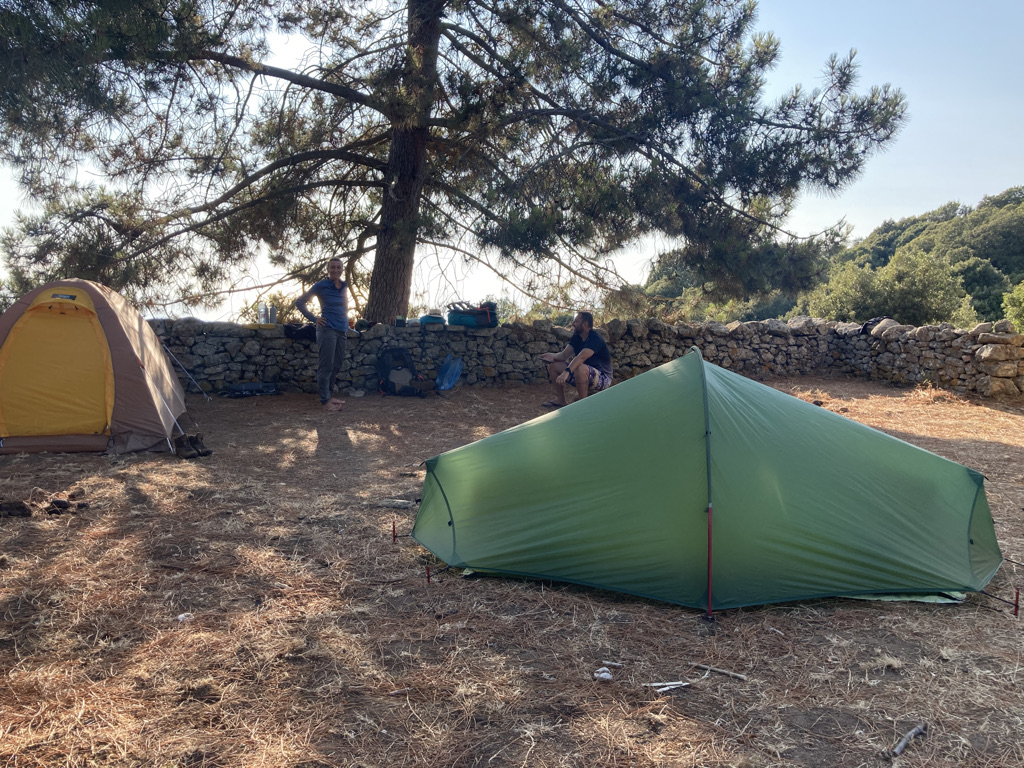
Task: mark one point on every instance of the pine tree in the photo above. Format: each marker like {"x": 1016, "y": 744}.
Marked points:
{"x": 539, "y": 135}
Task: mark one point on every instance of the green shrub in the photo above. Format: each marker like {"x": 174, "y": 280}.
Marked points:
{"x": 1013, "y": 306}
{"x": 915, "y": 288}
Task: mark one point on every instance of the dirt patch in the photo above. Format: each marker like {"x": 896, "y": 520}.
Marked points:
{"x": 251, "y": 608}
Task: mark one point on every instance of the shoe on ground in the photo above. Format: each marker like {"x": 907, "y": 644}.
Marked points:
{"x": 196, "y": 441}
{"x": 183, "y": 448}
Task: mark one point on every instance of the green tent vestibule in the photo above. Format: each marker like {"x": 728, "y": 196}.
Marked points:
{"x": 694, "y": 485}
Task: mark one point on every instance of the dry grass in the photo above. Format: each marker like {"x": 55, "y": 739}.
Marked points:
{"x": 250, "y": 609}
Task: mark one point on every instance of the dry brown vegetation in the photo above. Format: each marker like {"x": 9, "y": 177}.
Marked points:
{"x": 251, "y": 609}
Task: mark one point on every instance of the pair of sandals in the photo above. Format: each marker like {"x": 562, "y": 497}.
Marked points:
{"x": 554, "y": 404}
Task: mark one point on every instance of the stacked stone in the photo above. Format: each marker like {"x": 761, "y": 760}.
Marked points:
{"x": 218, "y": 354}
{"x": 999, "y": 357}
{"x": 987, "y": 360}
{"x": 638, "y": 346}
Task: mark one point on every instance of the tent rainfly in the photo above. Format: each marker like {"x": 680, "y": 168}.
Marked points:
{"x": 694, "y": 485}
{"x": 81, "y": 370}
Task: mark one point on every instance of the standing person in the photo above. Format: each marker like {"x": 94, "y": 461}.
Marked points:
{"x": 585, "y": 363}
{"x": 331, "y": 330}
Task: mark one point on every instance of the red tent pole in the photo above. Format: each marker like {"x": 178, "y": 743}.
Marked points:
{"x": 709, "y": 562}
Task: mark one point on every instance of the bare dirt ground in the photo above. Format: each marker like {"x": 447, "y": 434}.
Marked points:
{"x": 251, "y": 609}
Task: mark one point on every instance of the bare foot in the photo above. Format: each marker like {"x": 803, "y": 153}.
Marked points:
{"x": 333, "y": 406}
{"x": 336, "y": 400}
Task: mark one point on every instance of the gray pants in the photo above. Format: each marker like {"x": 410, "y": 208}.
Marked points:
{"x": 331, "y": 345}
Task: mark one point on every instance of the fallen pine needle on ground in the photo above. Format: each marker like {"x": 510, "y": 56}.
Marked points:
{"x": 254, "y": 608}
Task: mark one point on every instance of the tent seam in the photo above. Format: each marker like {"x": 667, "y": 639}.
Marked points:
{"x": 707, "y": 460}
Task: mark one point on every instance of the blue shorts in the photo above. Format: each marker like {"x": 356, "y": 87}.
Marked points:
{"x": 596, "y": 381}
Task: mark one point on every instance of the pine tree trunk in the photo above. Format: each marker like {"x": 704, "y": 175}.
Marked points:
{"x": 391, "y": 278}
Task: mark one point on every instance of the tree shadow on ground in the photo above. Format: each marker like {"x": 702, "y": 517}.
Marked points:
{"x": 253, "y": 607}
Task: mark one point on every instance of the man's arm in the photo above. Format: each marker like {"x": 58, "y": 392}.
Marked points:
{"x": 584, "y": 355}
{"x": 558, "y": 357}
{"x": 575, "y": 363}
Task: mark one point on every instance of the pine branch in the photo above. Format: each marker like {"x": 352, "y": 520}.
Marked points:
{"x": 337, "y": 89}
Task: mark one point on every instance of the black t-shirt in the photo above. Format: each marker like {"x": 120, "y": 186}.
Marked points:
{"x": 602, "y": 357}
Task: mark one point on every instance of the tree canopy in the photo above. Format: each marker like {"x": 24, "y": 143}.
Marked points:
{"x": 539, "y": 136}
{"x": 953, "y": 252}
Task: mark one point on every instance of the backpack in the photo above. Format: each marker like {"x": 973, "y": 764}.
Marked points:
{"x": 306, "y": 332}
{"x": 396, "y": 374}
{"x": 483, "y": 316}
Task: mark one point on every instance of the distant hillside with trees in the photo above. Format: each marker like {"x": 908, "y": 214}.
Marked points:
{"x": 958, "y": 264}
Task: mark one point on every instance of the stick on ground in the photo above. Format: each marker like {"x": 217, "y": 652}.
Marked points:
{"x": 726, "y": 672}
{"x": 920, "y": 730}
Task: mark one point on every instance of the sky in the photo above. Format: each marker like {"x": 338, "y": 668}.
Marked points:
{"x": 958, "y": 64}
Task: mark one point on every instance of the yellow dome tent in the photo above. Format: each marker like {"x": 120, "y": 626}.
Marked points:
{"x": 81, "y": 370}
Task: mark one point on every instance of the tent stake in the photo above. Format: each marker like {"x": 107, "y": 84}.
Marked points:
{"x": 394, "y": 532}
{"x": 428, "y": 574}
{"x": 1015, "y": 602}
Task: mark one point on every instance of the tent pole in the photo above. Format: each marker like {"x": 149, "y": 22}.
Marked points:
{"x": 158, "y": 394}
{"x": 707, "y": 461}
{"x": 183, "y": 368}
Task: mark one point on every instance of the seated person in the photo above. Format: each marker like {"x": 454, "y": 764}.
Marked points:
{"x": 585, "y": 363}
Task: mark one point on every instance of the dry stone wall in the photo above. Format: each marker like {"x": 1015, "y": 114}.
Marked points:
{"x": 987, "y": 360}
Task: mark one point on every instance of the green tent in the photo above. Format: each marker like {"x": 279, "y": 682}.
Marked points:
{"x": 694, "y": 485}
